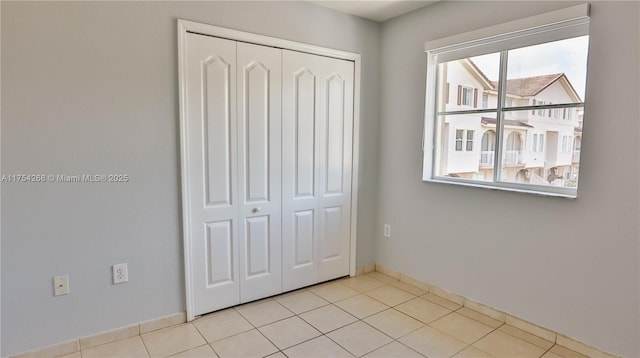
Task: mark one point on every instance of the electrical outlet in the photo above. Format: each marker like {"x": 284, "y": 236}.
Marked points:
{"x": 61, "y": 285}
{"x": 387, "y": 231}
{"x": 120, "y": 273}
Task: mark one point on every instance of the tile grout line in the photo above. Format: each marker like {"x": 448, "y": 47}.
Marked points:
{"x": 214, "y": 351}
{"x": 339, "y": 345}
{"x": 206, "y": 342}
{"x": 404, "y": 345}
{"x": 548, "y": 350}
{"x": 382, "y": 269}
{"x": 335, "y": 329}
{"x": 144, "y": 344}
{"x": 364, "y": 294}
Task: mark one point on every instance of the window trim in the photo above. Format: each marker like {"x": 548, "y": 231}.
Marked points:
{"x": 548, "y": 27}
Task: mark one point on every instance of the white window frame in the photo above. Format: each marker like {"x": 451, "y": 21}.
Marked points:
{"x": 548, "y": 27}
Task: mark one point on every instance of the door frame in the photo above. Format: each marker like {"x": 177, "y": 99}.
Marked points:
{"x": 186, "y": 26}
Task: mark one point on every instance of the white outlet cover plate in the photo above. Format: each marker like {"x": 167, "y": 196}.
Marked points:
{"x": 120, "y": 273}
{"x": 61, "y": 285}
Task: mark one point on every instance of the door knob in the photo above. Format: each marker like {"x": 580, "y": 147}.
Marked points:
{"x": 255, "y": 210}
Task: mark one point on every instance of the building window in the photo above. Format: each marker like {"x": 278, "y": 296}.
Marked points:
{"x": 567, "y": 143}
{"x": 446, "y": 93}
{"x": 459, "y": 138}
{"x": 469, "y": 140}
{"x": 541, "y": 111}
{"x": 512, "y": 154}
{"x": 464, "y": 140}
{"x": 467, "y": 96}
{"x": 538, "y": 143}
{"x": 503, "y": 63}
{"x": 566, "y": 114}
{"x": 486, "y": 148}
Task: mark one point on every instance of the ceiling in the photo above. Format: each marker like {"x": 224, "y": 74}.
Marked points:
{"x": 378, "y": 10}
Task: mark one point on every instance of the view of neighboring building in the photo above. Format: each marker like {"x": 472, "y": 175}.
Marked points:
{"x": 541, "y": 146}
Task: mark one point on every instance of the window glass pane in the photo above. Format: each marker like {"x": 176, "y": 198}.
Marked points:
{"x": 542, "y": 152}
{"x": 459, "y": 135}
{"x": 465, "y": 146}
{"x": 550, "y": 73}
{"x": 462, "y": 85}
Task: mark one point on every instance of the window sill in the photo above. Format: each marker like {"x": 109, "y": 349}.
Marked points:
{"x": 558, "y": 192}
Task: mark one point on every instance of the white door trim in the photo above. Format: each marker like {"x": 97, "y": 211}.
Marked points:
{"x": 185, "y": 26}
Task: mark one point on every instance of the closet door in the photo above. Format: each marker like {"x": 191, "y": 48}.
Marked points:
{"x": 317, "y": 132}
{"x": 259, "y": 117}
{"x": 210, "y": 70}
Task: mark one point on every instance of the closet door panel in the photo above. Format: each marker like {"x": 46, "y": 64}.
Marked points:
{"x": 259, "y": 171}
{"x": 317, "y": 130}
{"x": 300, "y": 175}
{"x": 210, "y": 70}
{"x": 336, "y": 142}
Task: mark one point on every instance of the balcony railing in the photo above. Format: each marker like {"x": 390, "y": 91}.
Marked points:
{"x": 486, "y": 158}
{"x": 512, "y": 157}
{"x": 508, "y": 157}
{"x": 576, "y": 156}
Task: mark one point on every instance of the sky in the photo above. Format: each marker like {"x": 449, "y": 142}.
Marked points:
{"x": 565, "y": 56}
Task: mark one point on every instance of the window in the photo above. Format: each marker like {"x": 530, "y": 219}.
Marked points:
{"x": 467, "y": 96}
{"x": 446, "y": 94}
{"x": 567, "y": 143}
{"x": 469, "y": 140}
{"x": 566, "y": 114}
{"x": 464, "y": 140}
{"x": 523, "y": 94}
{"x": 538, "y": 143}
{"x": 459, "y": 136}
{"x": 541, "y": 111}
{"x": 486, "y": 149}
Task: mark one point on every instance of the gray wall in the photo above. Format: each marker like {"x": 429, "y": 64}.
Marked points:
{"x": 91, "y": 87}
{"x": 570, "y": 265}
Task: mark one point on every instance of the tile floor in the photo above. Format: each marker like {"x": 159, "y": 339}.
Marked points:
{"x": 367, "y": 316}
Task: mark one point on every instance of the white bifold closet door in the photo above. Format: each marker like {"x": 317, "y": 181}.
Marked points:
{"x": 233, "y": 101}
{"x": 317, "y": 132}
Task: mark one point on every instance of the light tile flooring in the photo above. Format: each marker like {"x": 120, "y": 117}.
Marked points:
{"x": 367, "y": 316}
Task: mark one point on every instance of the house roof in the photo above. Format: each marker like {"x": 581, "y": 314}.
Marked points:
{"x": 507, "y": 122}
{"x": 529, "y": 86}
{"x": 480, "y": 75}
